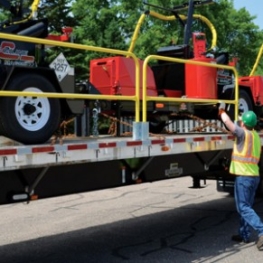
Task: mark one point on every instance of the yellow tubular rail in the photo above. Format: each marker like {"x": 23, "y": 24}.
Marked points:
{"x": 171, "y": 18}
{"x": 146, "y": 98}
{"x": 135, "y": 98}
{"x": 257, "y": 61}
{"x": 136, "y": 33}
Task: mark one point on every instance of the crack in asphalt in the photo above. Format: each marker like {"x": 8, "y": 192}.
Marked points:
{"x": 196, "y": 227}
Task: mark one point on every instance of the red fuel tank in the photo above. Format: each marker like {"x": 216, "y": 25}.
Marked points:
{"x": 200, "y": 81}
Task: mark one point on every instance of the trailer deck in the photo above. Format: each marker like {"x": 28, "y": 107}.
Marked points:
{"x": 83, "y": 150}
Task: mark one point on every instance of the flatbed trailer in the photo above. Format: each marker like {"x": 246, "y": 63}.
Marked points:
{"x": 34, "y": 96}
{"x": 29, "y": 172}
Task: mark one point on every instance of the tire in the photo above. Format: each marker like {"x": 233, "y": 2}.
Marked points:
{"x": 27, "y": 119}
{"x": 244, "y": 104}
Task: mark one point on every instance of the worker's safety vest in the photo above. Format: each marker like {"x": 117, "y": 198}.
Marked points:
{"x": 245, "y": 161}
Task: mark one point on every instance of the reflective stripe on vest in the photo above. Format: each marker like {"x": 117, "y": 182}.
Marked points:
{"x": 245, "y": 161}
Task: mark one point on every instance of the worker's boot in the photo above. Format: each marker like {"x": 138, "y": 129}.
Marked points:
{"x": 260, "y": 243}
{"x": 238, "y": 238}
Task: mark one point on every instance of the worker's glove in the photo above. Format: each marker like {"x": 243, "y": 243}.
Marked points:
{"x": 221, "y": 108}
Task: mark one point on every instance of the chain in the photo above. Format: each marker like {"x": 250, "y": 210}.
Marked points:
{"x": 113, "y": 126}
{"x": 204, "y": 123}
{"x": 62, "y": 131}
{"x": 95, "y": 117}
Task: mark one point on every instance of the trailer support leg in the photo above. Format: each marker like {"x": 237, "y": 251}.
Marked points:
{"x": 31, "y": 188}
{"x": 196, "y": 182}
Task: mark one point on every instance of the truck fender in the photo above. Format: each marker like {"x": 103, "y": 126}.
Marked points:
{"x": 227, "y": 87}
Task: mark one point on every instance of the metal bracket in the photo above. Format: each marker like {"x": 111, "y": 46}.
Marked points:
{"x": 140, "y": 131}
{"x": 4, "y": 161}
{"x": 216, "y": 156}
{"x": 30, "y": 189}
{"x": 212, "y": 160}
{"x": 144, "y": 165}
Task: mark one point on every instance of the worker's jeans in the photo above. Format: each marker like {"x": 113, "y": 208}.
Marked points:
{"x": 245, "y": 189}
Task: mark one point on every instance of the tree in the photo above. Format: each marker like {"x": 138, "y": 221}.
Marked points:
{"x": 237, "y": 33}
{"x": 98, "y": 25}
{"x": 58, "y": 13}
{"x": 111, "y": 23}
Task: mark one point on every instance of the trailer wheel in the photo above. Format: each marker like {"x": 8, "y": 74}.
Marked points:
{"x": 244, "y": 104}
{"x": 29, "y": 119}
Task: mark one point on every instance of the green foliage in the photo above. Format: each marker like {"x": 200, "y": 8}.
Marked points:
{"x": 99, "y": 25}
{"x": 58, "y": 13}
{"x": 236, "y": 32}
{"x": 3, "y": 15}
{"x": 111, "y": 23}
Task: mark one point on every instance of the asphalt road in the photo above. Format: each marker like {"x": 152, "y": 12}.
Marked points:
{"x": 164, "y": 221}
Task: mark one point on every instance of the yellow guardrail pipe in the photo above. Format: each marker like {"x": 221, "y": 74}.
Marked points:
{"x": 34, "y": 40}
{"x": 171, "y": 18}
{"x": 257, "y": 61}
{"x": 146, "y": 98}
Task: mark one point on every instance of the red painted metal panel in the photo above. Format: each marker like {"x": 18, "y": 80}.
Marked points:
{"x": 116, "y": 75}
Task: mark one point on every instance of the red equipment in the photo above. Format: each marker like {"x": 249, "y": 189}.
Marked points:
{"x": 67, "y": 31}
{"x": 200, "y": 81}
{"x": 116, "y": 76}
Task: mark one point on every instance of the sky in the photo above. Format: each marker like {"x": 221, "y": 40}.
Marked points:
{"x": 254, "y": 7}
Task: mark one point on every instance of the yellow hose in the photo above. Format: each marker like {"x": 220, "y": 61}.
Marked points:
{"x": 34, "y": 8}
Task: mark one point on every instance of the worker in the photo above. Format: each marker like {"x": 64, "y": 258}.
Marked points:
{"x": 244, "y": 165}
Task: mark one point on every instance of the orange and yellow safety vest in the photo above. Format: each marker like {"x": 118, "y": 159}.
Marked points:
{"x": 245, "y": 161}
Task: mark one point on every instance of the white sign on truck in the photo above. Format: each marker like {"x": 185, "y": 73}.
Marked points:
{"x": 61, "y": 66}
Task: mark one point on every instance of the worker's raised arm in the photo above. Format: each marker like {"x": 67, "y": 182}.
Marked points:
{"x": 225, "y": 118}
